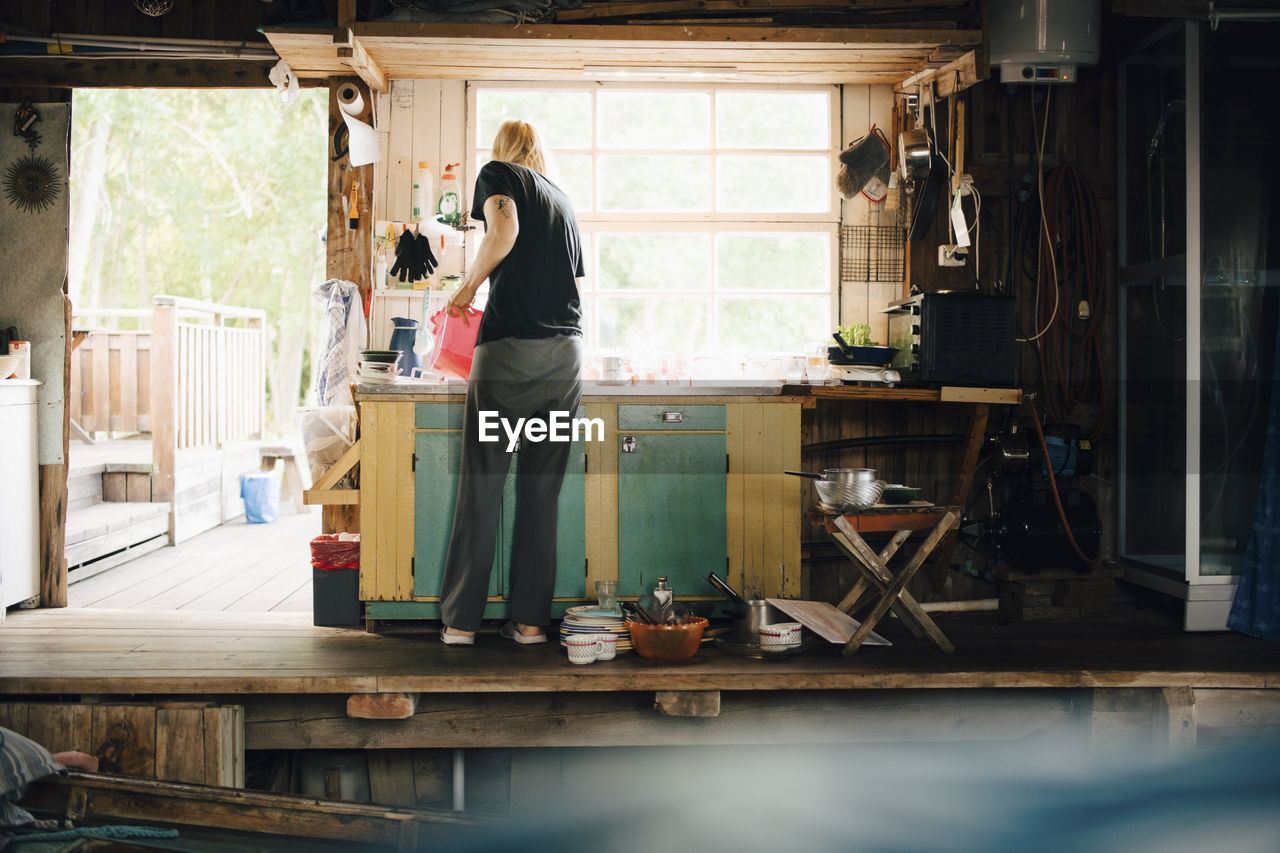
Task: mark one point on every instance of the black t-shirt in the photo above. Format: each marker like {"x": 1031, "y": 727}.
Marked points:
{"x": 532, "y": 292}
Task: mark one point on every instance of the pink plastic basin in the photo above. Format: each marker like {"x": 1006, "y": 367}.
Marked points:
{"x": 455, "y": 342}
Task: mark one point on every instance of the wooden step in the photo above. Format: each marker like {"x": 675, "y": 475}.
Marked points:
{"x": 84, "y": 486}
{"x": 103, "y": 529}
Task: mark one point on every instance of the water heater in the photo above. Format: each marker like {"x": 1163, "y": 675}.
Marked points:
{"x": 1043, "y": 41}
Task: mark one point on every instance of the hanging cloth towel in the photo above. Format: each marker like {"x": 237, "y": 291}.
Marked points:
{"x": 343, "y": 340}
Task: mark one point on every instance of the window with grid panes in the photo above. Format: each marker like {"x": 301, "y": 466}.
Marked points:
{"x": 708, "y": 212}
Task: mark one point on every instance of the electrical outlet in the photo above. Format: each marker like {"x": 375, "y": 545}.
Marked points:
{"x": 951, "y": 255}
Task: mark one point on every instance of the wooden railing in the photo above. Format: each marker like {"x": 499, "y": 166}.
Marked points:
{"x": 111, "y": 372}
{"x": 195, "y": 378}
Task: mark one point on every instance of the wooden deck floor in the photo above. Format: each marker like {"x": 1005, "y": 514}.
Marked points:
{"x": 166, "y": 652}
{"x": 235, "y": 567}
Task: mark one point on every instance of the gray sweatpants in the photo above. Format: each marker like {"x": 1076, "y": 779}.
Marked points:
{"x": 517, "y": 378}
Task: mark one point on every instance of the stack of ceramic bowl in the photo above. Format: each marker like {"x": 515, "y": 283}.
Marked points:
{"x": 378, "y": 365}
{"x": 591, "y": 619}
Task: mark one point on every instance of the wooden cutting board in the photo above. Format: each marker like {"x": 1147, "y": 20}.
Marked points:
{"x": 826, "y": 620}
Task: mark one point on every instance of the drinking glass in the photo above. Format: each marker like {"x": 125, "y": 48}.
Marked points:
{"x": 607, "y": 596}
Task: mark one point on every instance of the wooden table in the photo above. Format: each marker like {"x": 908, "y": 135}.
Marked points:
{"x": 876, "y": 581}
{"x": 979, "y": 400}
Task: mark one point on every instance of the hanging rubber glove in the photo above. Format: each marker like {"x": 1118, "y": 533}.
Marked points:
{"x": 426, "y": 257}
{"x": 404, "y": 256}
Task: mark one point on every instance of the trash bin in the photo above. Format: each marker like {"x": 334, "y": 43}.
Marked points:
{"x": 335, "y": 580}
{"x": 261, "y": 494}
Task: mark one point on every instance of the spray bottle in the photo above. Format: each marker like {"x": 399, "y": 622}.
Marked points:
{"x": 449, "y": 209}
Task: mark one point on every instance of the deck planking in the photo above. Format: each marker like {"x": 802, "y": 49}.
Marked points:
{"x": 249, "y": 567}
{"x": 168, "y": 652}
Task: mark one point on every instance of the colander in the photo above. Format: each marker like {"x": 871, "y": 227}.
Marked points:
{"x": 845, "y": 488}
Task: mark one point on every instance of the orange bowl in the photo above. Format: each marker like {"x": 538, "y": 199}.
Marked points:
{"x": 667, "y": 642}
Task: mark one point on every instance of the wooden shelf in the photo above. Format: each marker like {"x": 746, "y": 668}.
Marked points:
{"x": 549, "y": 52}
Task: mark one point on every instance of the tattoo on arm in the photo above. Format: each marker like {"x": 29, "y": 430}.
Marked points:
{"x": 506, "y": 206}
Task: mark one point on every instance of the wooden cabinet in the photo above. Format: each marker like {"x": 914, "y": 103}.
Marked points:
{"x": 672, "y": 498}
{"x": 676, "y": 487}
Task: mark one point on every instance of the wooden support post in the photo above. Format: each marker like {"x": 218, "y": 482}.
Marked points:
{"x": 382, "y": 706}
{"x": 53, "y": 494}
{"x": 349, "y": 251}
{"x": 687, "y": 703}
{"x": 164, "y": 404}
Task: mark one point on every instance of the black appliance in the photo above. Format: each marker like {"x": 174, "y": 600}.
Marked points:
{"x": 1025, "y": 528}
{"x": 954, "y": 337}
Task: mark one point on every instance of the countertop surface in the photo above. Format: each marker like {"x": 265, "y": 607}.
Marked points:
{"x": 687, "y": 388}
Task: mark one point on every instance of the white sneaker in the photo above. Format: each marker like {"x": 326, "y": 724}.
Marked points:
{"x": 456, "y": 639}
{"x": 509, "y": 631}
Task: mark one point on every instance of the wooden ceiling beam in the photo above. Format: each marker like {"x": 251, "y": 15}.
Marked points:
{"x": 955, "y": 76}
{"x": 532, "y": 52}
{"x": 73, "y": 73}
{"x": 354, "y": 54}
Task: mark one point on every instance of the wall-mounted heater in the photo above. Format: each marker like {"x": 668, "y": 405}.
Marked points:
{"x": 1043, "y": 41}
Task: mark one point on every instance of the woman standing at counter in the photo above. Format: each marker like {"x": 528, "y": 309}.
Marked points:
{"x": 528, "y": 363}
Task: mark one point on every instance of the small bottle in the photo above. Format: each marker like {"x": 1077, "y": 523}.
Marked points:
{"x": 423, "y": 192}
{"x": 449, "y": 209}
{"x": 663, "y": 593}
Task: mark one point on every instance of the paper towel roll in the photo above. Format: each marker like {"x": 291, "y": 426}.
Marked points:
{"x": 362, "y": 141}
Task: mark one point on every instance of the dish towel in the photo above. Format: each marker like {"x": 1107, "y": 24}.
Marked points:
{"x": 344, "y": 336}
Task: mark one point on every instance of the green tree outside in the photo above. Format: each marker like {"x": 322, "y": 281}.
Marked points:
{"x": 210, "y": 194}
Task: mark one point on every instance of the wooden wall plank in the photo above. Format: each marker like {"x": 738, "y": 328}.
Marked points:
{"x": 391, "y": 777}
{"x": 13, "y": 716}
{"x": 602, "y": 497}
{"x": 371, "y": 472}
{"x": 754, "y": 498}
{"x": 127, "y": 735}
{"x": 180, "y": 745}
{"x": 404, "y": 496}
{"x": 62, "y": 727}
{"x": 735, "y": 495}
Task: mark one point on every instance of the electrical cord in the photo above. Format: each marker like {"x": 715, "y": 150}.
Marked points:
{"x": 1071, "y": 354}
{"x": 1053, "y": 488}
{"x": 1046, "y": 242}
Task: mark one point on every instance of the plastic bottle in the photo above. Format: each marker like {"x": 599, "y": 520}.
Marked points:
{"x": 449, "y": 209}
{"x": 423, "y": 192}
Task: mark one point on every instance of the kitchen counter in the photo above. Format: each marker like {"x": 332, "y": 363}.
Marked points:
{"x": 696, "y": 388}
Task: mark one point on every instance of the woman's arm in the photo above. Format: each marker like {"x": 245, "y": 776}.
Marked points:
{"x": 502, "y": 226}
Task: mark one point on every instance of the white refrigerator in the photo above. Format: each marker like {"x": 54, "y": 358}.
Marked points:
{"x": 19, "y": 493}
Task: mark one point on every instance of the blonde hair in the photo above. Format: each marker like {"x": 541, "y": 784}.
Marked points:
{"x": 517, "y": 142}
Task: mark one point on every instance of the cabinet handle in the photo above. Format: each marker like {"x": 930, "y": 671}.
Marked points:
{"x": 673, "y": 417}
{"x": 628, "y": 444}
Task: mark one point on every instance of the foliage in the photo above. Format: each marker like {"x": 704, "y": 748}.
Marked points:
{"x": 214, "y": 195}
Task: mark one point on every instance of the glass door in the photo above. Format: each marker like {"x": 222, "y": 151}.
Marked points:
{"x": 1199, "y": 243}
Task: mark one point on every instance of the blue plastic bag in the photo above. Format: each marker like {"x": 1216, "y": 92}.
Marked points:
{"x": 261, "y": 494}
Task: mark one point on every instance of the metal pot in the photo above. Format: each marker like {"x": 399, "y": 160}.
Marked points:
{"x": 751, "y": 617}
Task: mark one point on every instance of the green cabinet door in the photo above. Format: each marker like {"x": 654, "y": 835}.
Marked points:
{"x": 571, "y": 540}
{"x": 671, "y": 510}
{"x": 438, "y": 457}
{"x": 435, "y": 495}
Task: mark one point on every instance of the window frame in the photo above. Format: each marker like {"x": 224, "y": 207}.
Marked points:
{"x": 712, "y": 222}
